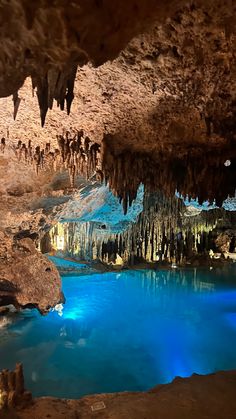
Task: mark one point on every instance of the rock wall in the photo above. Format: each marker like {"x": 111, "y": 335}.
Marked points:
{"x": 27, "y": 278}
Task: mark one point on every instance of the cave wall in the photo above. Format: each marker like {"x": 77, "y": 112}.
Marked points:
{"x": 164, "y": 231}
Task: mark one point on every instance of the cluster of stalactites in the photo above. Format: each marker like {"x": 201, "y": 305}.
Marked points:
{"x": 55, "y": 84}
{"x": 205, "y": 177}
{"x": 151, "y": 242}
{"x": 208, "y": 178}
{"x": 79, "y": 240}
{"x": 75, "y": 153}
{"x": 80, "y": 156}
{"x": 162, "y": 232}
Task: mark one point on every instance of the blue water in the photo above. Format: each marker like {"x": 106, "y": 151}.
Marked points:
{"x": 126, "y": 331}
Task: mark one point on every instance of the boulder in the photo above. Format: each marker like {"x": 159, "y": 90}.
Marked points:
{"x": 27, "y": 278}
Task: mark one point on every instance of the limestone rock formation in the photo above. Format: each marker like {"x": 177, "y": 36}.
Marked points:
{"x": 27, "y": 278}
{"x": 12, "y": 391}
{"x": 169, "y": 95}
{"x": 162, "y": 113}
{"x": 164, "y": 231}
{"x": 49, "y": 41}
{"x": 225, "y": 242}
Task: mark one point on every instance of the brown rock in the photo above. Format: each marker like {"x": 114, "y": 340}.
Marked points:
{"x": 19, "y": 380}
{"x": 29, "y": 278}
{"x": 223, "y": 241}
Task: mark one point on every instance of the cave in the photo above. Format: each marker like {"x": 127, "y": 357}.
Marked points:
{"x": 118, "y": 209}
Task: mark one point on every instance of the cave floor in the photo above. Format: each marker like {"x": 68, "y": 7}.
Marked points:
{"x": 197, "y": 397}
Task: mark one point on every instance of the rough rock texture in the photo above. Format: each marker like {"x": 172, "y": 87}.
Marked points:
{"x": 160, "y": 81}
{"x": 12, "y": 390}
{"x": 211, "y": 396}
{"x": 27, "y": 278}
{"x": 226, "y": 241}
{"x": 49, "y": 41}
{"x": 163, "y": 110}
{"x": 167, "y": 97}
{"x": 27, "y": 198}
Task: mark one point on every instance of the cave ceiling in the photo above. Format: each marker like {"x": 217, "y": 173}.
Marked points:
{"x": 163, "y": 102}
{"x": 127, "y": 91}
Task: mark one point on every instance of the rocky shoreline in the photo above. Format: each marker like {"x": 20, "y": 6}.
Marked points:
{"x": 210, "y": 396}
{"x": 97, "y": 266}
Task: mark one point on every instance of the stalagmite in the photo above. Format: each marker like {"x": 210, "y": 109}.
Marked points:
{"x": 12, "y": 390}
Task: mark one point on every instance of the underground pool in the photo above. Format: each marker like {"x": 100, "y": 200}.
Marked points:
{"x": 128, "y": 330}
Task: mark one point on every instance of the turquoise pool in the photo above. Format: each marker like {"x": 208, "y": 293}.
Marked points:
{"x": 126, "y": 331}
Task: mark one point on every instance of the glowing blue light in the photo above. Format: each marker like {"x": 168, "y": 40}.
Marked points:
{"x": 74, "y": 313}
{"x": 231, "y": 318}
{"x": 127, "y": 331}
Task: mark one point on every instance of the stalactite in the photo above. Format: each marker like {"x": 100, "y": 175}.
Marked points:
{"x": 76, "y": 154}
{"x": 162, "y": 232}
{"x": 16, "y": 102}
{"x": 41, "y": 83}
{"x": 3, "y": 145}
{"x": 190, "y": 175}
{"x": 55, "y": 84}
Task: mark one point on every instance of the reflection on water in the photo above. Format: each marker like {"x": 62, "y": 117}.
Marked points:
{"x": 126, "y": 331}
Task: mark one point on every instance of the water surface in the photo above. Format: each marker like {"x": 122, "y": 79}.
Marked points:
{"x": 126, "y": 331}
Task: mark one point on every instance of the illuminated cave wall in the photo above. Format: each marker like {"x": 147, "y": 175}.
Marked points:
{"x": 165, "y": 230}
